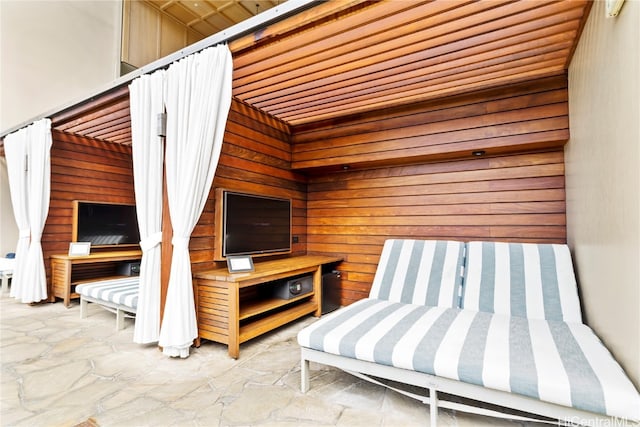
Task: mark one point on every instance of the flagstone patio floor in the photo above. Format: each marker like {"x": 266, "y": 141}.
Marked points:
{"x": 60, "y": 370}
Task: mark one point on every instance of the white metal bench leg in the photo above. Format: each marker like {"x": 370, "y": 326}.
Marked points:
{"x": 83, "y": 307}
{"x": 304, "y": 375}
{"x": 5, "y": 283}
{"x": 119, "y": 320}
{"x": 433, "y": 406}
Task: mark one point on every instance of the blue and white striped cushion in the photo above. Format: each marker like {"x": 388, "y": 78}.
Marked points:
{"x": 122, "y": 291}
{"x": 551, "y": 361}
{"x": 529, "y": 280}
{"x": 426, "y": 272}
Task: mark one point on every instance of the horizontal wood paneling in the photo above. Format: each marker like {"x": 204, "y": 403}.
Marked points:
{"x": 256, "y": 158}
{"x": 410, "y": 173}
{"x": 105, "y": 118}
{"x": 82, "y": 169}
{"x": 515, "y": 198}
{"x": 524, "y": 117}
{"x": 390, "y": 53}
{"x": 349, "y": 213}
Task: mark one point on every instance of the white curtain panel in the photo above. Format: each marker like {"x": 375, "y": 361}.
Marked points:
{"x": 15, "y": 148}
{"x": 34, "y": 285}
{"x": 146, "y": 101}
{"x": 30, "y": 149}
{"x": 198, "y": 99}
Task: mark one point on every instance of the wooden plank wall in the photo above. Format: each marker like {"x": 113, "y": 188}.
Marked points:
{"x": 510, "y": 198}
{"x": 420, "y": 189}
{"x": 82, "y": 169}
{"x": 516, "y": 193}
{"x": 256, "y": 158}
{"x": 524, "y": 117}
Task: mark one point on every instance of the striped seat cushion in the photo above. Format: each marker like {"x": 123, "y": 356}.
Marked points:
{"x": 122, "y": 291}
{"x": 551, "y": 361}
{"x": 426, "y": 272}
{"x": 529, "y": 280}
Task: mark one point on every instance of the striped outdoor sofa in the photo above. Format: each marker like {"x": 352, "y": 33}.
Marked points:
{"x": 494, "y": 322}
{"x": 118, "y": 296}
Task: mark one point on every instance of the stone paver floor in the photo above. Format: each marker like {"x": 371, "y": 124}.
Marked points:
{"x": 60, "y": 370}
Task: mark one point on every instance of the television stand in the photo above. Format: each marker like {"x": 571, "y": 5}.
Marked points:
{"x": 232, "y": 308}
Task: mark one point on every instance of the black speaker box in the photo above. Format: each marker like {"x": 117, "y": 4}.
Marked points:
{"x": 129, "y": 269}
{"x": 294, "y": 287}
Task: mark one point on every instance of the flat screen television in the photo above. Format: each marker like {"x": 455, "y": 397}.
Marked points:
{"x": 255, "y": 225}
{"x": 105, "y": 224}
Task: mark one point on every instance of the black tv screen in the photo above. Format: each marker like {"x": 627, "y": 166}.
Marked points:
{"x": 106, "y": 224}
{"x": 255, "y": 224}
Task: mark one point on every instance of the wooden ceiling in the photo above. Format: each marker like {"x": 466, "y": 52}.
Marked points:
{"x": 399, "y": 52}
{"x": 207, "y": 17}
{"x": 349, "y": 57}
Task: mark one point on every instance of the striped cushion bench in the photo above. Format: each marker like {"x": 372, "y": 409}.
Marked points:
{"x": 551, "y": 361}
{"x": 506, "y": 330}
{"x": 427, "y": 272}
{"x": 119, "y": 296}
{"x": 529, "y": 280}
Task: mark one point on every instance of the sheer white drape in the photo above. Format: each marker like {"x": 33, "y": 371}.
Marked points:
{"x": 34, "y": 286}
{"x": 198, "y": 99}
{"x": 146, "y": 102}
{"x": 30, "y": 191}
{"x": 15, "y": 148}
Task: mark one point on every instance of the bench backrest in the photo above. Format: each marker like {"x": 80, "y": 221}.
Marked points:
{"x": 424, "y": 272}
{"x": 528, "y": 280}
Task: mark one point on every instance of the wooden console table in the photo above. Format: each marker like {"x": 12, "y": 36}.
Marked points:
{"x": 232, "y": 308}
{"x": 63, "y": 279}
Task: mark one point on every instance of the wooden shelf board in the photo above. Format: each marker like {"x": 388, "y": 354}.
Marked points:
{"x": 269, "y": 323}
{"x": 253, "y": 308}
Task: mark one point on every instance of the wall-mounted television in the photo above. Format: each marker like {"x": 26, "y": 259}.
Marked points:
{"x": 105, "y": 224}
{"x": 251, "y": 224}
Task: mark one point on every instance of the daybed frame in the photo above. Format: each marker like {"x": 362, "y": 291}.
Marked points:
{"x": 121, "y": 311}
{"x": 496, "y": 323}
{"x": 117, "y": 295}
{"x": 560, "y": 415}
